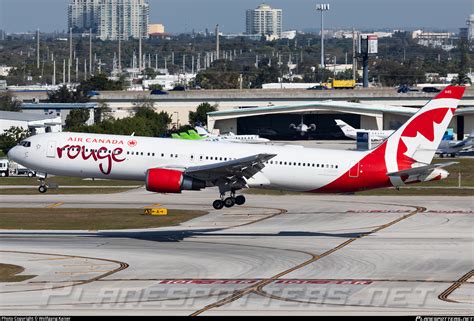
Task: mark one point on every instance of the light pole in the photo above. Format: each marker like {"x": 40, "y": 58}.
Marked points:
{"x": 177, "y": 118}
{"x": 322, "y": 7}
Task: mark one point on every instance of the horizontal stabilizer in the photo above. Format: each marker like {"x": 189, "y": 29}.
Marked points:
{"x": 420, "y": 170}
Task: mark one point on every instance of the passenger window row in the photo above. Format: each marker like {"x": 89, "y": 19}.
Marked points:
{"x": 214, "y": 158}
{"x": 317, "y": 165}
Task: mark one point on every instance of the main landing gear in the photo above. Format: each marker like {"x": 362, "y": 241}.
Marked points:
{"x": 228, "y": 201}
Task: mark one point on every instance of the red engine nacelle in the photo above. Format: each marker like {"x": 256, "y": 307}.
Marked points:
{"x": 171, "y": 181}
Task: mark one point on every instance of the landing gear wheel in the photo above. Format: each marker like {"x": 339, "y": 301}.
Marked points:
{"x": 240, "y": 200}
{"x": 42, "y": 189}
{"x": 218, "y": 204}
{"x": 229, "y": 202}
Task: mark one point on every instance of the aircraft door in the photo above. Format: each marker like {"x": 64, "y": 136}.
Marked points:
{"x": 354, "y": 171}
{"x": 51, "y": 150}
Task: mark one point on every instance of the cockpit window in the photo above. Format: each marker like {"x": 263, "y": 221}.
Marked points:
{"x": 25, "y": 143}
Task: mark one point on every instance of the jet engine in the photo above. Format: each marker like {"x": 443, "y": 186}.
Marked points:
{"x": 171, "y": 181}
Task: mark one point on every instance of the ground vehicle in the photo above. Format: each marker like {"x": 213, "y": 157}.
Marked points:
{"x": 158, "y": 92}
{"x": 22, "y": 170}
{"x": 4, "y": 167}
{"x": 430, "y": 90}
{"x": 179, "y": 88}
{"x": 339, "y": 84}
{"x": 405, "y": 89}
{"x": 92, "y": 93}
{"x": 318, "y": 87}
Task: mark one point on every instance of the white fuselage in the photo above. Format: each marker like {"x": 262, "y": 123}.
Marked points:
{"x": 127, "y": 157}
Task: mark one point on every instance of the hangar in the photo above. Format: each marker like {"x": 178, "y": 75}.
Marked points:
{"x": 273, "y": 122}
{"x": 36, "y": 124}
{"x": 60, "y": 109}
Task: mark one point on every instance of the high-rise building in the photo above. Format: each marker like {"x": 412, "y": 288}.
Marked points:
{"x": 123, "y": 18}
{"x": 84, "y": 15}
{"x": 110, "y": 19}
{"x": 264, "y": 20}
{"x": 470, "y": 27}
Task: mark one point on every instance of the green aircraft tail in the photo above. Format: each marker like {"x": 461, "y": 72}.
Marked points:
{"x": 194, "y": 135}
{"x": 185, "y": 136}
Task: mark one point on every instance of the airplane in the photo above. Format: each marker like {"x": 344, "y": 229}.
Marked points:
{"x": 351, "y": 132}
{"x": 231, "y": 137}
{"x": 302, "y": 128}
{"x": 171, "y": 166}
{"x": 453, "y": 147}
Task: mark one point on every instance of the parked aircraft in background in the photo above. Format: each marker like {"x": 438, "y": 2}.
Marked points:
{"x": 351, "y": 132}
{"x": 174, "y": 165}
{"x": 453, "y": 147}
{"x": 231, "y": 137}
{"x": 302, "y": 128}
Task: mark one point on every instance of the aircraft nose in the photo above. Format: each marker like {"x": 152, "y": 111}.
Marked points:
{"x": 13, "y": 153}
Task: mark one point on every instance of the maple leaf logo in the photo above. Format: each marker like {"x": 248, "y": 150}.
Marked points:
{"x": 132, "y": 143}
{"x": 421, "y": 137}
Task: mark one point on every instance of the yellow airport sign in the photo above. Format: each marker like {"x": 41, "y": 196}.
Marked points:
{"x": 156, "y": 211}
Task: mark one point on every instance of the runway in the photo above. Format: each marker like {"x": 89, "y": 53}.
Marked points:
{"x": 292, "y": 254}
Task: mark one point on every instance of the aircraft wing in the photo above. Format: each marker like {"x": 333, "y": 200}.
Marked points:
{"x": 427, "y": 169}
{"x": 228, "y": 171}
{"x": 463, "y": 143}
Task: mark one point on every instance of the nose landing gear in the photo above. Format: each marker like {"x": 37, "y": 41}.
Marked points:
{"x": 229, "y": 201}
{"x": 43, "y": 188}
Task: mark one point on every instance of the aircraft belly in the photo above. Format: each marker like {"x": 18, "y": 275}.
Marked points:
{"x": 297, "y": 180}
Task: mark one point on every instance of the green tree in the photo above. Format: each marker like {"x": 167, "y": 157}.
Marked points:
{"x": 200, "y": 115}
{"x": 145, "y": 122}
{"x": 150, "y": 73}
{"x": 102, "y": 112}
{"x": 391, "y": 73}
{"x": 8, "y": 102}
{"x": 66, "y": 95}
{"x": 142, "y": 102}
{"x": 266, "y": 74}
{"x": 76, "y": 118}
{"x": 11, "y": 137}
{"x": 463, "y": 68}
{"x": 155, "y": 87}
{"x": 100, "y": 82}
{"x": 222, "y": 75}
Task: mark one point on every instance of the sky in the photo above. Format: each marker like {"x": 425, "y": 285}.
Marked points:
{"x": 186, "y": 15}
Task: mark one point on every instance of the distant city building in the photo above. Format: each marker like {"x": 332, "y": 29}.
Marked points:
{"x": 124, "y": 19}
{"x": 264, "y": 20}
{"x": 110, "y": 19}
{"x": 156, "y": 29}
{"x": 441, "y": 40}
{"x": 470, "y": 28}
{"x": 84, "y": 15}
{"x": 290, "y": 34}
{"x": 5, "y": 71}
